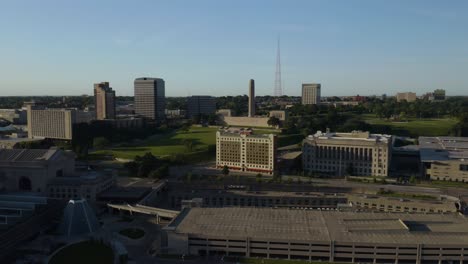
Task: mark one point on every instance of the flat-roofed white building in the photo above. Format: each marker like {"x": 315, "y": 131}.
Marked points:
{"x": 356, "y": 153}
{"x": 246, "y": 152}
{"x": 444, "y": 158}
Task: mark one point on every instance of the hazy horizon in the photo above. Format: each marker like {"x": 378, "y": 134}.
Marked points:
{"x": 61, "y": 48}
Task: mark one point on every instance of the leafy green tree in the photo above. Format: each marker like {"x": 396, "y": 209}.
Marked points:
{"x": 273, "y": 121}
{"x": 403, "y": 116}
{"x": 160, "y": 172}
{"x": 259, "y": 178}
{"x": 225, "y": 170}
{"x": 188, "y": 143}
{"x": 213, "y": 119}
{"x": 277, "y": 176}
{"x": 100, "y": 142}
{"x": 132, "y": 168}
{"x": 188, "y": 177}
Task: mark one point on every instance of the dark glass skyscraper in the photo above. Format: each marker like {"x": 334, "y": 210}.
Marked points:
{"x": 150, "y": 99}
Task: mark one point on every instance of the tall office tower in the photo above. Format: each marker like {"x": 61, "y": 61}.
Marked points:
{"x": 104, "y": 101}
{"x": 150, "y": 101}
{"x": 311, "y": 93}
{"x": 200, "y": 105}
{"x": 251, "y": 98}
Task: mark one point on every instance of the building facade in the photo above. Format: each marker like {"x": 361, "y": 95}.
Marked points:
{"x": 376, "y": 203}
{"x": 282, "y": 115}
{"x": 311, "y": 93}
{"x": 50, "y": 172}
{"x": 88, "y": 187}
{"x": 338, "y": 154}
{"x": 408, "y": 97}
{"x": 15, "y": 116}
{"x": 150, "y": 101}
{"x": 444, "y": 158}
{"x": 104, "y": 101}
{"x": 200, "y": 105}
{"x": 229, "y": 198}
{"x": 50, "y": 123}
{"x": 32, "y": 169}
{"x": 250, "y": 153}
{"x": 126, "y": 122}
{"x": 224, "y": 112}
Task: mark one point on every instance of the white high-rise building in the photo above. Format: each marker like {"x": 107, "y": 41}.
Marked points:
{"x": 246, "y": 152}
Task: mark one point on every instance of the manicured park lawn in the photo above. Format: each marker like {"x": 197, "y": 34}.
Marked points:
{"x": 417, "y": 127}
{"x": 168, "y": 144}
{"x": 88, "y": 252}
{"x": 172, "y": 143}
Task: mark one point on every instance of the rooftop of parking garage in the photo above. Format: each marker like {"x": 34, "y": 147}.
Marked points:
{"x": 264, "y": 194}
{"x": 323, "y": 226}
{"x": 404, "y": 198}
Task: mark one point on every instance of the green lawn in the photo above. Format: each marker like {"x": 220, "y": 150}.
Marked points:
{"x": 88, "y": 252}
{"x": 446, "y": 184}
{"x": 408, "y": 196}
{"x": 416, "y": 127}
{"x": 172, "y": 143}
{"x": 133, "y": 233}
{"x": 168, "y": 144}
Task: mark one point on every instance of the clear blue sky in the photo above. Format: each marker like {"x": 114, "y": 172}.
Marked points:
{"x": 62, "y": 47}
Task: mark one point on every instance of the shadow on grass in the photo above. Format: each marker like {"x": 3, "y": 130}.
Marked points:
{"x": 131, "y": 149}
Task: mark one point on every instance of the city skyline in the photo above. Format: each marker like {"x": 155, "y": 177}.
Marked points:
{"x": 213, "y": 47}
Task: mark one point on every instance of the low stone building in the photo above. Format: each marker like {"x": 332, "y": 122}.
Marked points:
{"x": 51, "y": 173}
{"x": 337, "y": 154}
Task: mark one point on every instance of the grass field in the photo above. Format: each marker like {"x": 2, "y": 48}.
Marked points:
{"x": 445, "y": 184}
{"x": 416, "y": 127}
{"x": 409, "y": 196}
{"x": 172, "y": 143}
{"x": 167, "y": 144}
{"x": 88, "y": 252}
